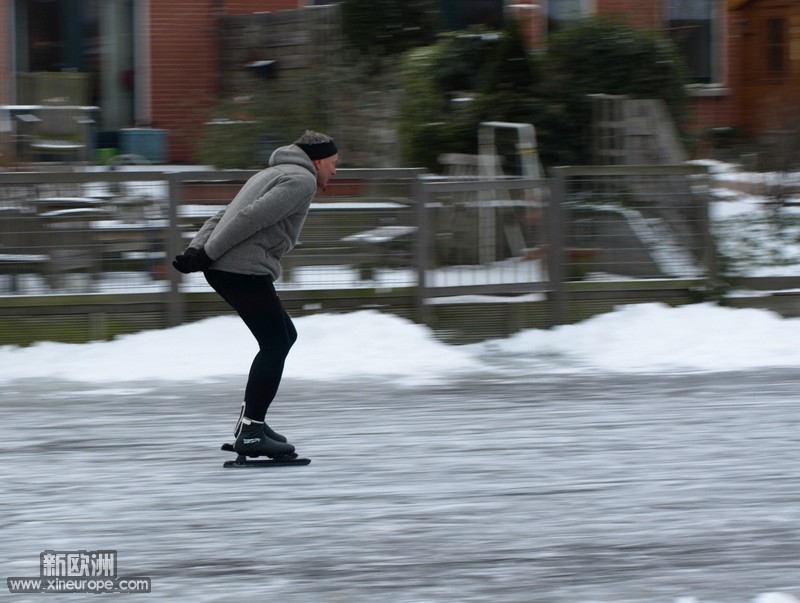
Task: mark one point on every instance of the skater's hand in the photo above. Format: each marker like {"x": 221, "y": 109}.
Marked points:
{"x": 192, "y": 260}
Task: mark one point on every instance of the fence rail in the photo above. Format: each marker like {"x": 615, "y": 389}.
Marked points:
{"x": 94, "y": 247}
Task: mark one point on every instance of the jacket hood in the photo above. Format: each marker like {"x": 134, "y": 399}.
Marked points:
{"x": 291, "y": 154}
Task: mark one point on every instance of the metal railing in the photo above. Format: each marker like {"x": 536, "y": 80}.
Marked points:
{"x": 641, "y": 222}
{"x": 99, "y": 243}
{"x": 487, "y": 237}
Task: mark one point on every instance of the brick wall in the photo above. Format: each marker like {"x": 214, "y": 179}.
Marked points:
{"x": 637, "y": 13}
{"x": 183, "y": 50}
{"x": 184, "y": 64}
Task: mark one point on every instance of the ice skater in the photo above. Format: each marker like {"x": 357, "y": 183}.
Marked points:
{"x": 239, "y": 252}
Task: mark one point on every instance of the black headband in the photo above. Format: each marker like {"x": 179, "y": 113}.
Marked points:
{"x": 320, "y": 150}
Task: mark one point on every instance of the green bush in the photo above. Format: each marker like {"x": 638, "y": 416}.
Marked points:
{"x": 602, "y": 55}
{"x": 242, "y": 132}
{"x": 506, "y": 83}
{"x": 422, "y": 107}
{"x": 389, "y": 27}
{"x": 491, "y": 68}
{"x": 229, "y": 143}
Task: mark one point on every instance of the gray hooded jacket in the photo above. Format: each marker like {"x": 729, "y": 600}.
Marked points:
{"x": 264, "y": 220}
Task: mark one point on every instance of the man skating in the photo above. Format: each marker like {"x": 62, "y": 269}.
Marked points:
{"x": 239, "y": 252}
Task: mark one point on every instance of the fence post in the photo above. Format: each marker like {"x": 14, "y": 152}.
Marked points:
{"x": 709, "y": 243}
{"x": 555, "y": 259}
{"x": 175, "y": 309}
{"x": 421, "y": 246}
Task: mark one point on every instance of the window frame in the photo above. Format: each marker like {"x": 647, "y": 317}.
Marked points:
{"x": 714, "y": 53}
{"x": 776, "y": 55}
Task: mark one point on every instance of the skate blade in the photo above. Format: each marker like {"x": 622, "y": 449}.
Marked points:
{"x": 244, "y": 461}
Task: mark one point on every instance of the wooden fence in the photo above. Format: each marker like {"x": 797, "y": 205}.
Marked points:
{"x": 85, "y": 255}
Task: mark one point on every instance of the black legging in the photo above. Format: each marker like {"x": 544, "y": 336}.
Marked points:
{"x": 255, "y": 300}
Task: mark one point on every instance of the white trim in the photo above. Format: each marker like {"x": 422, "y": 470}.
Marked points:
{"x": 706, "y": 90}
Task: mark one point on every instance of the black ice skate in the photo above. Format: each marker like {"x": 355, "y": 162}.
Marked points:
{"x": 259, "y": 443}
{"x": 253, "y": 441}
{"x": 268, "y": 431}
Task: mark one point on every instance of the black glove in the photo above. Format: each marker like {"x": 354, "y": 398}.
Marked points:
{"x": 192, "y": 260}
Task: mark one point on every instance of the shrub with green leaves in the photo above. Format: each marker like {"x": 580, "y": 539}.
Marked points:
{"x": 491, "y": 69}
{"x": 507, "y": 83}
{"x": 389, "y": 27}
{"x": 242, "y": 132}
{"x": 600, "y": 55}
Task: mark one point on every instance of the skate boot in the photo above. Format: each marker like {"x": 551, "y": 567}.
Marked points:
{"x": 252, "y": 441}
{"x": 272, "y": 435}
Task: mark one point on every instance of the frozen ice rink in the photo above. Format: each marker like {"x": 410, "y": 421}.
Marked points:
{"x": 556, "y": 488}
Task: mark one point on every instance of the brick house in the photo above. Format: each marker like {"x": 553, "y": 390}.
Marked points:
{"x": 148, "y": 62}
{"x": 700, "y": 28}
{"x": 766, "y": 82}
{"x": 155, "y": 63}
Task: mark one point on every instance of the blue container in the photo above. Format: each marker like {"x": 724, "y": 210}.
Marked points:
{"x": 146, "y": 142}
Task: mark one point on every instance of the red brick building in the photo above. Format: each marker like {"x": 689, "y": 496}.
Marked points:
{"x": 766, "y": 81}
{"x": 151, "y": 63}
{"x": 700, "y": 28}
{"x": 155, "y": 63}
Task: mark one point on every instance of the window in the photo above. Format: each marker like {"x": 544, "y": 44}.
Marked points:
{"x": 692, "y": 27}
{"x": 561, "y": 12}
{"x": 462, "y": 14}
{"x": 43, "y": 40}
{"x": 78, "y": 50}
{"x": 776, "y": 47}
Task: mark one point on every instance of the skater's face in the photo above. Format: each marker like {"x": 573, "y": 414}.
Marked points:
{"x": 326, "y": 168}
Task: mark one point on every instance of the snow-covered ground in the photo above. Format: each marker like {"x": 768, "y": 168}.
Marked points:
{"x": 757, "y": 235}
{"x": 644, "y": 338}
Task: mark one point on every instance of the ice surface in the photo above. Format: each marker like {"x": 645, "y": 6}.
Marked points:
{"x": 572, "y": 488}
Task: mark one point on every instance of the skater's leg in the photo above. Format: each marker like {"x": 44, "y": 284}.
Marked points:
{"x": 275, "y": 334}
{"x": 255, "y": 300}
